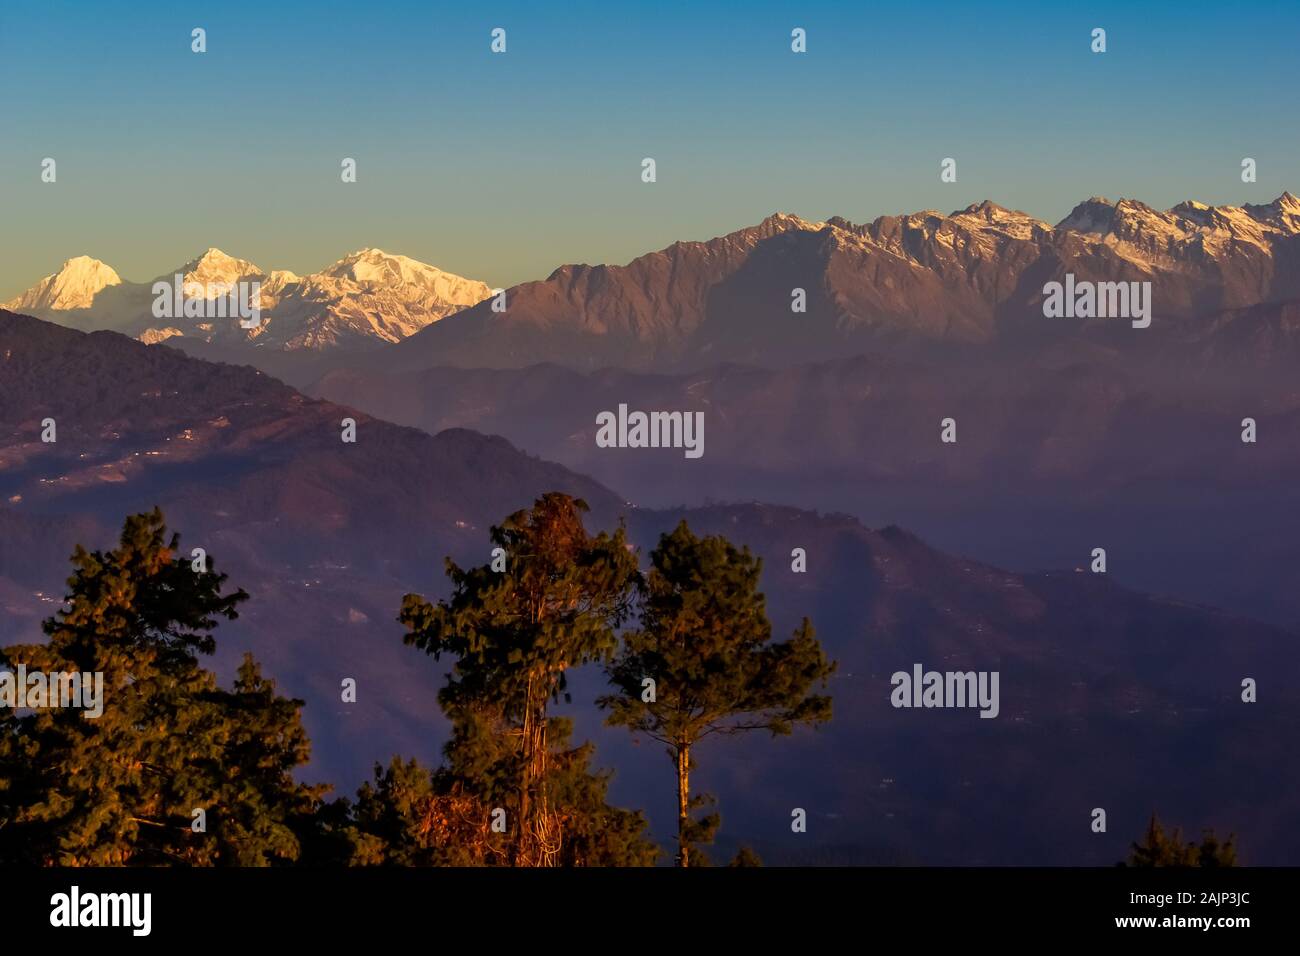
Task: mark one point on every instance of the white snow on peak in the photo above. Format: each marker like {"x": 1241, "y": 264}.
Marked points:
{"x": 370, "y": 294}
{"x": 1282, "y": 213}
{"x": 374, "y": 267}
{"x": 785, "y": 220}
{"x": 747, "y": 237}
{"x": 1007, "y": 222}
{"x": 1148, "y": 236}
{"x": 215, "y": 269}
{"x": 74, "y": 286}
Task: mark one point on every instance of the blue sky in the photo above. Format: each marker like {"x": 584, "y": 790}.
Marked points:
{"x": 502, "y": 167}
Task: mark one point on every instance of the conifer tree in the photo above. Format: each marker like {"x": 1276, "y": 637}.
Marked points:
{"x": 514, "y": 634}
{"x": 705, "y": 642}
{"x": 411, "y": 816}
{"x": 1162, "y": 848}
{"x": 122, "y": 788}
{"x": 745, "y": 857}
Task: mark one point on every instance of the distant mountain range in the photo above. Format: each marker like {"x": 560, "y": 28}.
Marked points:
{"x": 1100, "y": 430}
{"x": 1219, "y": 276}
{"x": 363, "y": 300}
{"x": 1056, "y": 451}
{"x": 1085, "y": 423}
{"x": 900, "y": 283}
{"x": 1109, "y": 698}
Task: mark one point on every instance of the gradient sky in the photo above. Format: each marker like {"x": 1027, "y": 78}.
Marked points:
{"x": 501, "y": 167}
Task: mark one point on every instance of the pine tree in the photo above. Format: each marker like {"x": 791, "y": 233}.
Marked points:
{"x": 705, "y": 642}
{"x": 514, "y": 634}
{"x": 263, "y": 813}
{"x": 122, "y": 788}
{"x": 1161, "y": 848}
{"x": 745, "y": 857}
{"x": 411, "y": 816}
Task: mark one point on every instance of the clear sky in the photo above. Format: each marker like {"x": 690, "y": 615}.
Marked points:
{"x": 501, "y": 167}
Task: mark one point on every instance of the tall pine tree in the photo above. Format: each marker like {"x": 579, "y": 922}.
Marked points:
{"x": 121, "y": 789}
{"x": 705, "y": 643}
{"x": 514, "y": 633}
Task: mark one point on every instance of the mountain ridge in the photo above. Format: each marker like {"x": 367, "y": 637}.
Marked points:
{"x": 366, "y": 298}
{"x": 973, "y": 277}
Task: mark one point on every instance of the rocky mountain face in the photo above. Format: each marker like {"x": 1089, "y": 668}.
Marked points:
{"x": 364, "y": 300}
{"x": 1103, "y": 690}
{"x": 974, "y": 277}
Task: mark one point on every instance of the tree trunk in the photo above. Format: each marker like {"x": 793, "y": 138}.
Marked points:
{"x": 683, "y": 801}
{"x": 538, "y": 843}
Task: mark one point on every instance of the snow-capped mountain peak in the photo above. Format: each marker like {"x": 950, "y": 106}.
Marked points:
{"x": 74, "y": 286}
{"x": 1282, "y": 213}
{"x": 215, "y": 269}
{"x": 780, "y": 221}
{"x": 1009, "y": 222}
{"x": 925, "y": 275}
{"x": 372, "y": 268}
{"x": 367, "y": 297}
{"x": 1092, "y": 215}
{"x": 370, "y": 295}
